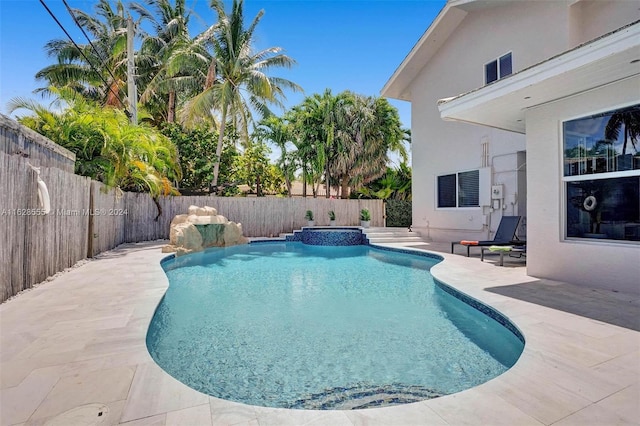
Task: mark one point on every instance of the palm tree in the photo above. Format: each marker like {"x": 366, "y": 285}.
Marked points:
{"x": 629, "y": 119}
{"x": 347, "y": 138}
{"x": 381, "y": 132}
{"x": 321, "y": 122}
{"x": 162, "y": 63}
{"x": 97, "y": 70}
{"x": 236, "y": 80}
{"x": 279, "y": 132}
{"x": 310, "y": 141}
{"x": 371, "y": 130}
{"x": 334, "y": 114}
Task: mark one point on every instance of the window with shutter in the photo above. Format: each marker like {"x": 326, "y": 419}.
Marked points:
{"x": 459, "y": 189}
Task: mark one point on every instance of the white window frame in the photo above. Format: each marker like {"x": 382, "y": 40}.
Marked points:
{"x": 591, "y": 176}
{"x": 497, "y": 61}
{"x": 457, "y": 197}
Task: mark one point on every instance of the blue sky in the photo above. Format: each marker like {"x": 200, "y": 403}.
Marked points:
{"x": 347, "y": 44}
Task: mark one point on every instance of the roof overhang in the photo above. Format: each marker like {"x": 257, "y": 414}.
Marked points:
{"x": 451, "y": 15}
{"x": 502, "y": 104}
{"x": 442, "y": 27}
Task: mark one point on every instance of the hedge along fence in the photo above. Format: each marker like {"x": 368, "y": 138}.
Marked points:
{"x": 398, "y": 213}
{"x": 88, "y": 218}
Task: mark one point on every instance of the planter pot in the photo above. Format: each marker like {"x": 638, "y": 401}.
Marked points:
{"x": 332, "y": 223}
{"x": 365, "y": 223}
{"x": 310, "y": 223}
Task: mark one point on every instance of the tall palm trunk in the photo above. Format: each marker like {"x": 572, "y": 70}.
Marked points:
{"x": 216, "y": 166}
{"x": 304, "y": 181}
{"x": 344, "y": 188}
{"x": 327, "y": 177}
{"x": 171, "y": 114}
{"x": 287, "y": 183}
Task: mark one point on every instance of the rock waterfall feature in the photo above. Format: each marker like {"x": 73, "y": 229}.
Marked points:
{"x": 202, "y": 228}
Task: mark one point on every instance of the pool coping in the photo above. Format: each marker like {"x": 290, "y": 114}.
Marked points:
{"x": 80, "y": 339}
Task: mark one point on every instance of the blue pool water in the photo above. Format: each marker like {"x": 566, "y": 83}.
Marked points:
{"x": 299, "y": 326}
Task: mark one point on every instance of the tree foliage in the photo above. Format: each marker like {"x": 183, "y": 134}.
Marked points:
{"x": 194, "y": 149}
{"x": 162, "y": 71}
{"x": 237, "y": 76}
{"x": 344, "y": 139}
{"x": 95, "y": 70}
{"x": 212, "y": 84}
{"x": 108, "y": 147}
{"x": 255, "y": 170}
{"x": 395, "y": 184}
{"x": 279, "y": 132}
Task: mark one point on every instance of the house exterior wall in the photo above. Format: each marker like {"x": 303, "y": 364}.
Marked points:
{"x": 441, "y": 147}
{"x": 589, "y": 19}
{"x": 609, "y": 265}
{"x": 533, "y": 32}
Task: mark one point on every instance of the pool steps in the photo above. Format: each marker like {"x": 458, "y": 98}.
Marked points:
{"x": 392, "y": 235}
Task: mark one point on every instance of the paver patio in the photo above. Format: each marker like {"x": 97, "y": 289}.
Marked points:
{"x": 79, "y": 341}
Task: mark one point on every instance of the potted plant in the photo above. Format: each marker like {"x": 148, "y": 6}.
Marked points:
{"x": 309, "y": 217}
{"x": 332, "y": 218}
{"x": 365, "y": 218}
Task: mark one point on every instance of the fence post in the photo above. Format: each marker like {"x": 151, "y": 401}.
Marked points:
{"x": 91, "y": 224}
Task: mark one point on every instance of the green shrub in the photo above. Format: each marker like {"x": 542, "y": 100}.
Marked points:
{"x": 398, "y": 213}
{"x": 365, "y": 215}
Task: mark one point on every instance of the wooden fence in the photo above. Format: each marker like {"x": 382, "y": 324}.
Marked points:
{"x": 20, "y": 140}
{"x": 34, "y": 246}
{"x": 260, "y": 217}
{"x": 87, "y": 218}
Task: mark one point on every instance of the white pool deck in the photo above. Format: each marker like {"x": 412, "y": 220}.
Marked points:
{"x": 79, "y": 341}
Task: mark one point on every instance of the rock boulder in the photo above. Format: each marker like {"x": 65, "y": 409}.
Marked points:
{"x": 202, "y": 227}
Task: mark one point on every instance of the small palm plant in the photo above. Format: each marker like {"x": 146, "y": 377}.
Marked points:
{"x": 309, "y": 216}
{"x": 332, "y": 218}
{"x": 365, "y": 218}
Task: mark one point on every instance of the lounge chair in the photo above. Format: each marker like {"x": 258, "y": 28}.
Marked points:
{"x": 505, "y": 236}
{"x": 511, "y": 251}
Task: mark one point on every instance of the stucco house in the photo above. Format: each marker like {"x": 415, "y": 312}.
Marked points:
{"x": 531, "y": 108}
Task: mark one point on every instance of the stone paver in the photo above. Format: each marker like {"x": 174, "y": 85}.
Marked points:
{"x": 77, "y": 344}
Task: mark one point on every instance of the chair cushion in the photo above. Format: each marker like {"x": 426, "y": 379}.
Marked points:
{"x": 501, "y": 248}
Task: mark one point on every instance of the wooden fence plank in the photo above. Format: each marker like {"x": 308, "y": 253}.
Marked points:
{"x": 108, "y": 214}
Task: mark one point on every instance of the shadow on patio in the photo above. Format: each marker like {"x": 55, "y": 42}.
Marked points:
{"x": 603, "y": 305}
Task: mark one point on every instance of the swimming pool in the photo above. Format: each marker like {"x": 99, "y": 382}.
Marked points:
{"x": 315, "y": 327}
